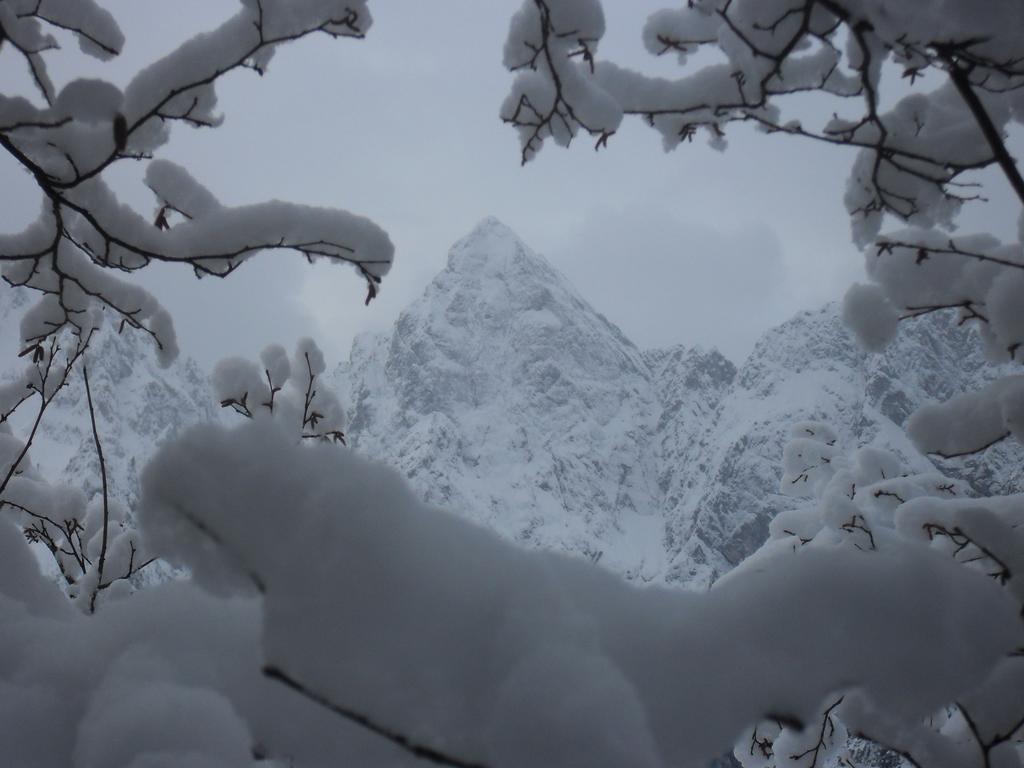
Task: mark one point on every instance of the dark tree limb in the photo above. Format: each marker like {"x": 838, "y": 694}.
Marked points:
{"x": 400, "y": 740}
{"x": 958, "y": 74}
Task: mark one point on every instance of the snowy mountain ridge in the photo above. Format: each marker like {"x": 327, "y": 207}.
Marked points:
{"x": 502, "y": 395}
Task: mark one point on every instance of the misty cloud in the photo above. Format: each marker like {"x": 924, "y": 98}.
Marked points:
{"x": 667, "y": 279}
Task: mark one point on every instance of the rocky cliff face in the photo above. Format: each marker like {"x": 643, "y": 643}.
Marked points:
{"x": 809, "y": 368}
{"x": 503, "y": 395}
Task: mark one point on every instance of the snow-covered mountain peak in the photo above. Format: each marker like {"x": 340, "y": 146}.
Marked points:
{"x": 492, "y": 248}
{"x": 501, "y": 319}
{"x": 493, "y": 267}
{"x": 502, "y": 394}
{"x": 492, "y": 277}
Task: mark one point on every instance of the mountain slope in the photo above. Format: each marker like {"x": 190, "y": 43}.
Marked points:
{"x": 809, "y": 368}
{"x": 502, "y": 395}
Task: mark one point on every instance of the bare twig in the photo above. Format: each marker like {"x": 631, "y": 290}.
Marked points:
{"x": 103, "y": 478}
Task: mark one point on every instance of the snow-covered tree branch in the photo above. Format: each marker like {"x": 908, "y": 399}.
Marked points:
{"x": 870, "y": 503}
{"x": 84, "y": 234}
{"x": 925, "y": 93}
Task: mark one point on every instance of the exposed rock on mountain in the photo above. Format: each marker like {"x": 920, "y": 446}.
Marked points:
{"x": 503, "y": 395}
{"x": 810, "y": 368}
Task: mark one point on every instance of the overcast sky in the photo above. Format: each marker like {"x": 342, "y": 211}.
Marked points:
{"x": 694, "y": 247}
